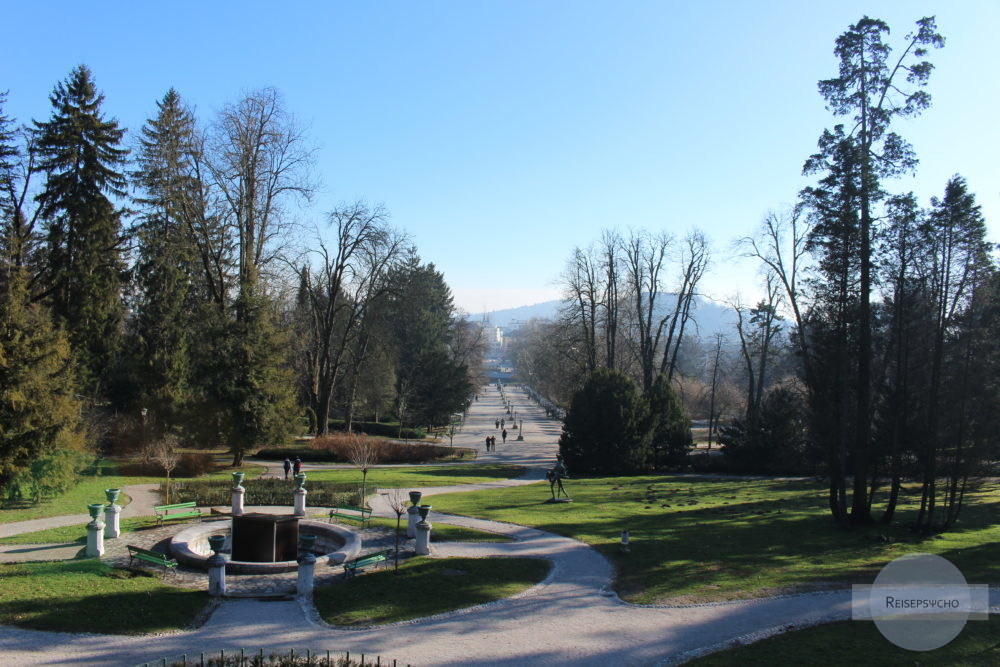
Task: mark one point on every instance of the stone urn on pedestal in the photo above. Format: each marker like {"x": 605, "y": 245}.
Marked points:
{"x": 412, "y": 514}
{"x": 112, "y": 514}
{"x": 95, "y": 531}
{"x": 238, "y": 493}
{"x": 300, "y": 495}
{"x": 423, "y": 546}
{"x": 216, "y": 566}
{"x": 307, "y": 566}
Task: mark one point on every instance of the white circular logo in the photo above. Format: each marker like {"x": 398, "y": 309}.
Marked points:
{"x": 920, "y": 602}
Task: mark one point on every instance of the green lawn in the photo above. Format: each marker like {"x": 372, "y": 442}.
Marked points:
{"x": 702, "y": 539}
{"x": 90, "y": 489}
{"x": 89, "y": 596}
{"x": 442, "y": 532}
{"x": 426, "y": 586}
{"x": 860, "y": 644}
{"x": 418, "y": 476}
{"x": 75, "y": 533}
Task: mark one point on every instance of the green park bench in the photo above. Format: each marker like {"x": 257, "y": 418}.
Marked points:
{"x": 154, "y": 557}
{"x": 360, "y": 514}
{"x": 352, "y": 566}
{"x": 177, "y": 511}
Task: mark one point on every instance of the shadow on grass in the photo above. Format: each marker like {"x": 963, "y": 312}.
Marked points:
{"x": 88, "y": 596}
{"x": 718, "y": 538}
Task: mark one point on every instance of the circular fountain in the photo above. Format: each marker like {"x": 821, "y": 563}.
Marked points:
{"x": 334, "y": 544}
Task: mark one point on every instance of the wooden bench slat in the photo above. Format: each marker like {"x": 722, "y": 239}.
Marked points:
{"x": 363, "y": 515}
{"x": 154, "y": 557}
{"x": 352, "y": 566}
{"x": 164, "y": 513}
{"x": 176, "y": 506}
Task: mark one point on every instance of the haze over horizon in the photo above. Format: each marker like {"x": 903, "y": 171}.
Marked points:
{"x": 502, "y": 135}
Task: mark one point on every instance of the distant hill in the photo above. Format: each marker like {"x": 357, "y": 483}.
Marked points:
{"x": 546, "y": 310}
{"x": 709, "y": 317}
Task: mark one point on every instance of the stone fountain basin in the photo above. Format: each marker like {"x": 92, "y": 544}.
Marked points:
{"x": 334, "y": 545}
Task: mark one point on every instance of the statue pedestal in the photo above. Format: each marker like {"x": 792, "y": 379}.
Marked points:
{"x": 238, "y": 493}
{"x": 95, "y": 539}
{"x": 412, "y": 519}
{"x": 300, "y": 502}
{"x": 307, "y": 568}
{"x": 217, "y": 575}
{"x": 112, "y": 521}
{"x": 423, "y": 547}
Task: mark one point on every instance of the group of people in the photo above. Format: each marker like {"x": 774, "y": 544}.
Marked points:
{"x": 491, "y": 443}
{"x": 296, "y": 466}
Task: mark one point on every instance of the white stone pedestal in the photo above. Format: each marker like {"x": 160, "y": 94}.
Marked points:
{"x": 412, "y": 519}
{"x": 423, "y": 547}
{"x": 238, "y": 493}
{"x": 217, "y": 576}
{"x": 307, "y": 567}
{"x": 112, "y": 521}
{"x": 300, "y": 502}
{"x": 95, "y": 539}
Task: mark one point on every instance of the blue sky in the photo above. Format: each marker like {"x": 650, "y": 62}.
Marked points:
{"x": 502, "y": 134}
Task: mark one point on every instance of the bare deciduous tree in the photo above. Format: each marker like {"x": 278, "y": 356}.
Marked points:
{"x": 397, "y": 500}
{"x": 363, "y": 453}
{"x": 258, "y": 160}
{"x": 348, "y": 277}
{"x": 163, "y": 452}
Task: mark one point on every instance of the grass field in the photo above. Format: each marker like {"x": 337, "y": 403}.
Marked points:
{"x": 418, "y": 476}
{"x": 442, "y": 532}
{"x": 75, "y": 533}
{"x": 426, "y": 586}
{"x": 90, "y": 489}
{"x": 860, "y": 644}
{"x": 704, "y": 539}
{"x": 89, "y": 596}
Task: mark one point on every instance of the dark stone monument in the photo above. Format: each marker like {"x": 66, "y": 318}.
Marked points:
{"x": 265, "y": 538}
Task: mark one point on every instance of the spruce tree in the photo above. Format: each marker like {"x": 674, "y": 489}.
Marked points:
{"x": 39, "y": 411}
{"x": 165, "y": 268}
{"x": 79, "y": 151}
{"x": 670, "y": 429}
{"x": 429, "y": 382}
{"x": 606, "y": 430}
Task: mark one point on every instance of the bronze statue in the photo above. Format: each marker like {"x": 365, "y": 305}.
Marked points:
{"x": 556, "y": 475}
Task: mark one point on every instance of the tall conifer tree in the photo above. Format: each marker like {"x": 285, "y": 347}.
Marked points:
{"x": 38, "y": 407}
{"x": 80, "y": 152}
{"x": 169, "y": 192}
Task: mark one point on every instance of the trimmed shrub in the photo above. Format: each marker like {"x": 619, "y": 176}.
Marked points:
{"x": 263, "y": 492}
{"x": 381, "y": 429}
{"x": 190, "y": 464}
{"x": 336, "y": 449}
{"x": 194, "y": 464}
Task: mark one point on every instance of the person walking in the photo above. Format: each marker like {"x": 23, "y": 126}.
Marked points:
{"x": 297, "y": 466}
{"x": 503, "y": 433}
{"x": 497, "y": 423}
{"x": 487, "y": 443}
{"x": 287, "y": 466}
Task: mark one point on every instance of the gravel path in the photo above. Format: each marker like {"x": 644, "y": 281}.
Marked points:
{"x": 572, "y": 617}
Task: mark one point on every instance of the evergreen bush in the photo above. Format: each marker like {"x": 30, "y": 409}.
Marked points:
{"x": 263, "y": 492}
